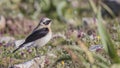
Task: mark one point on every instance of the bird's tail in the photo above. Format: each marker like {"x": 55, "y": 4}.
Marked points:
{"x": 15, "y": 50}
{"x": 18, "y": 48}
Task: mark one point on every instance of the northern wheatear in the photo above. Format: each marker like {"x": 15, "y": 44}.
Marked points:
{"x": 40, "y": 35}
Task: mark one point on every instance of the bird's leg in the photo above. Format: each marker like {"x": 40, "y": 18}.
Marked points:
{"x": 37, "y": 53}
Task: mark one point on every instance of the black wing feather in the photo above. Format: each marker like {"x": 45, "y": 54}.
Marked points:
{"x": 36, "y": 35}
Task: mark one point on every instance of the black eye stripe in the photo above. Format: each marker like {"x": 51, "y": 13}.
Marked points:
{"x": 43, "y": 22}
{"x": 48, "y": 21}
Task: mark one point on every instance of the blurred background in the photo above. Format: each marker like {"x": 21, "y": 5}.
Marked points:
{"x": 20, "y": 16}
{"x": 86, "y": 33}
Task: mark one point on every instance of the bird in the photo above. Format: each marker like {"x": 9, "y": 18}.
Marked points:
{"x": 40, "y": 35}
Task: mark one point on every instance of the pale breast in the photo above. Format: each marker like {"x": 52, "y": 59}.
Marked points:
{"x": 41, "y": 42}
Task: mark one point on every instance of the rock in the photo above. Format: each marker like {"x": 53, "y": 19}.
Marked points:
{"x": 89, "y": 22}
{"x": 6, "y": 39}
{"x": 37, "y": 62}
{"x": 95, "y": 47}
{"x": 2, "y": 22}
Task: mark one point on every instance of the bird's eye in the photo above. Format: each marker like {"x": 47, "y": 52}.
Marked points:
{"x": 43, "y": 22}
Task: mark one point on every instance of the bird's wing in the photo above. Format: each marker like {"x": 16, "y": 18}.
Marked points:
{"x": 36, "y": 35}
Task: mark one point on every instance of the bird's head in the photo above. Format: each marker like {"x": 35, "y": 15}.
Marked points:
{"x": 45, "y": 22}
